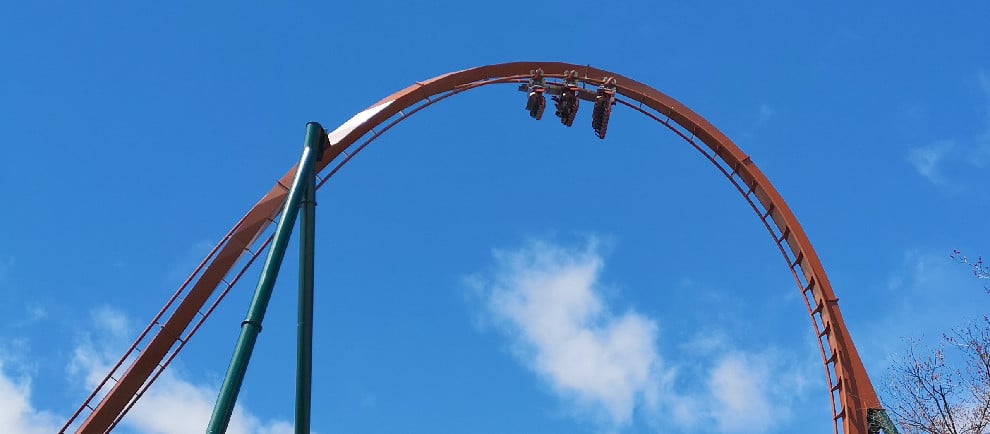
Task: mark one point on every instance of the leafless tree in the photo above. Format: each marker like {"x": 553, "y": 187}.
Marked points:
{"x": 980, "y": 269}
{"x": 945, "y": 389}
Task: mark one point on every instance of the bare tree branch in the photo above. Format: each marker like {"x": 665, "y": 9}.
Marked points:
{"x": 944, "y": 389}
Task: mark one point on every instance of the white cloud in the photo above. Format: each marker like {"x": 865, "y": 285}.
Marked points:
{"x": 17, "y": 415}
{"x": 747, "y": 389}
{"x": 972, "y": 151}
{"x": 737, "y": 392}
{"x": 170, "y": 395}
{"x": 155, "y": 413}
{"x": 545, "y": 296}
{"x": 927, "y": 159}
{"x": 981, "y": 153}
{"x": 606, "y": 363}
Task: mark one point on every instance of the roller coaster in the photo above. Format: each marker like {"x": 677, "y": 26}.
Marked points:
{"x": 855, "y": 408}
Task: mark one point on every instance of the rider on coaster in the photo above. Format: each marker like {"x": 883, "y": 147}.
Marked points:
{"x": 536, "y": 79}
{"x": 607, "y": 84}
{"x": 570, "y": 78}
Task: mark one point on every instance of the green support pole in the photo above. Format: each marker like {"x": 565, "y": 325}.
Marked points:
{"x": 304, "y": 346}
{"x": 880, "y": 421}
{"x": 251, "y": 326}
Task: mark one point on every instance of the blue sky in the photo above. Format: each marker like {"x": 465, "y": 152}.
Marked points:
{"x": 479, "y": 271}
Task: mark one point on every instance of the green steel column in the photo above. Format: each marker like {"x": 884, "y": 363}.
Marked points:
{"x": 879, "y": 421}
{"x": 251, "y": 326}
{"x": 304, "y": 346}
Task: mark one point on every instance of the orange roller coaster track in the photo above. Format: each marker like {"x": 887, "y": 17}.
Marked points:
{"x": 852, "y": 395}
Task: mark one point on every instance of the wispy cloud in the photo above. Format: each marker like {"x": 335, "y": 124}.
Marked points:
{"x": 748, "y": 390}
{"x": 17, "y": 415}
{"x": 981, "y": 153}
{"x": 743, "y": 390}
{"x": 32, "y": 315}
{"x": 178, "y": 270}
{"x": 759, "y": 118}
{"x": 927, "y": 294}
{"x": 930, "y": 160}
{"x": 605, "y": 361}
{"x": 170, "y": 395}
{"x": 6, "y": 265}
{"x": 733, "y": 385}
{"x": 927, "y": 160}
{"x": 766, "y": 113}
{"x": 173, "y": 405}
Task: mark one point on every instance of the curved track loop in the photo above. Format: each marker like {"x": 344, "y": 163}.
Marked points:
{"x": 849, "y": 386}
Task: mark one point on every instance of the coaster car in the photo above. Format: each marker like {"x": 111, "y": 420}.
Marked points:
{"x": 567, "y": 102}
{"x": 603, "y": 106}
{"x": 536, "y": 102}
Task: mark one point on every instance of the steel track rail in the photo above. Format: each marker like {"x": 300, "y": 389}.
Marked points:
{"x": 850, "y": 389}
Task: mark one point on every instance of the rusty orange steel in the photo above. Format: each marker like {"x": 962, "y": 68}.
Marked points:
{"x": 849, "y": 386}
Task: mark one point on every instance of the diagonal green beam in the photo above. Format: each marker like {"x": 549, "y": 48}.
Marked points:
{"x": 251, "y": 326}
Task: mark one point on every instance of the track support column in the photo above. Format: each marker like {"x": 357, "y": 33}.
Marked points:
{"x": 304, "y": 344}
{"x": 880, "y": 421}
{"x": 251, "y": 326}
